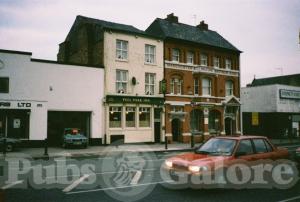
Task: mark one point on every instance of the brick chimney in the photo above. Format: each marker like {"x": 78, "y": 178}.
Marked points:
{"x": 172, "y": 18}
{"x": 202, "y": 25}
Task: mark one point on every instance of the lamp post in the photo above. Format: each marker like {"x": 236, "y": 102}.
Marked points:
{"x": 192, "y": 123}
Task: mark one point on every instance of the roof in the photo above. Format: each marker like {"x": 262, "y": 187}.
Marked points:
{"x": 240, "y": 137}
{"x": 292, "y": 80}
{"x": 106, "y": 25}
{"x": 167, "y": 29}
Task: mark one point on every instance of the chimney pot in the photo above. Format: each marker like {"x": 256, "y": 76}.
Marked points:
{"x": 172, "y": 18}
{"x": 203, "y": 25}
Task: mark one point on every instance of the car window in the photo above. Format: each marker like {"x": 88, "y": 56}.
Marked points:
{"x": 260, "y": 146}
{"x": 269, "y": 147}
{"x": 245, "y": 147}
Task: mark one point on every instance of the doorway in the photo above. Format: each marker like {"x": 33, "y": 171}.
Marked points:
{"x": 176, "y": 129}
{"x": 229, "y": 126}
{"x": 157, "y": 124}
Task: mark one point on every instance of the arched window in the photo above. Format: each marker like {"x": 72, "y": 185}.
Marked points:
{"x": 206, "y": 86}
{"x": 176, "y": 85}
{"x": 229, "y": 88}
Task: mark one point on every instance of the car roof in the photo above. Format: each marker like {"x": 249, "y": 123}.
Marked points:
{"x": 241, "y": 137}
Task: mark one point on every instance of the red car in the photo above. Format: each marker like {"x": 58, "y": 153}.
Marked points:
{"x": 223, "y": 152}
{"x": 297, "y": 155}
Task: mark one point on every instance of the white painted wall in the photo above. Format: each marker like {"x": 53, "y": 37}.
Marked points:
{"x": 74, "y": 88}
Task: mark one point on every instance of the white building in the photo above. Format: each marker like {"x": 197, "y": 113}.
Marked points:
{"x": 38, "y": 98}
{"x": 271, "y": 106}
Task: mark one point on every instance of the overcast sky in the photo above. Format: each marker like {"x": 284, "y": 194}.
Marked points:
{"x": 267, "y": 31}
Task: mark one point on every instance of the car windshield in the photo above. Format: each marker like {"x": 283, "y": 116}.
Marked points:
{"x": 217, "y": 146}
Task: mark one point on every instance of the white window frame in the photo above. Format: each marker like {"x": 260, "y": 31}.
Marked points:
{"x": 203, "y": 59}
{"x": 130, "y": 109}
{"x": 196, "y": 86}
{"x": 229, "y": 88}
{"x": 216, "y": 61}
{"x": 122, "y": 82}
{"x": 228, "y": 64}
{"x": 150, "y": 52}
{"x": 190, "y": 57}
{"x": 175, "y": 55}
{"x": 206, "y": 87}
{"x": 145, "y": 110}
{"x": 115, "y": 109}
{"x": 150, "y": 83}
{"x": 122, "y": 51}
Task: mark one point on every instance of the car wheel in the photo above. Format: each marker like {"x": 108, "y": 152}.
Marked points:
{"x": 9, "y": 147}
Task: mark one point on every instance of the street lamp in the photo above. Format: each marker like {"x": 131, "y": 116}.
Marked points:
{"x": 192, "y": 123}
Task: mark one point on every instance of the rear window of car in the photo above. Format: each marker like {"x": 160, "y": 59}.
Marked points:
{"x": 245, "y": 147}
{"x": 260, "y": 146}
{"x": 269, "y": 147}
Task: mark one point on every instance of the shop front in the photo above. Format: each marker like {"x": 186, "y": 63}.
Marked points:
{"x": 133, "y": 119}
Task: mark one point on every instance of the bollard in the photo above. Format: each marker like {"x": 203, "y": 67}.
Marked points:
{"x": 46, "y": 147}
{"x": 166, "y": 142}
{"x": 4, "y": 147}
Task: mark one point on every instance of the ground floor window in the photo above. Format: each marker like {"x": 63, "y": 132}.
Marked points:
{"x": 130, "y": 116}
{"x": 115, "y": 117}
{"x": 144, "y": 117}
{"x": 214, "y": 121}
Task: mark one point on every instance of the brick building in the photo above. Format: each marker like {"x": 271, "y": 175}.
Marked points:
{"x": 202, "y": 74}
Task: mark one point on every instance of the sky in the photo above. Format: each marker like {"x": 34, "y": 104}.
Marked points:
{"x": 267, "y": 31}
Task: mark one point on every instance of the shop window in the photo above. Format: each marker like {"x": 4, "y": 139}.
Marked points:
{"x": 149, "y": 83}
{"x": 122, "y": 50}
{"x": 206, "y": 86}
{"x": 4, "y": 85}
{"x": 190, "y": 57}
{"x": 121, "y": 81}
{"x": 115, "y": 117}
{"x": 130, "y": 116}
{"x": 229, "y": 88}
{"x": 149, "y": 54}
{"x": 144, "y": 116}
{"x": 175, "y": 55}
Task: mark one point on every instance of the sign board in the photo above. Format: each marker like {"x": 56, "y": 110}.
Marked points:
{"x": 17, "y": 123}
{"x": 134, "y": 99}
{"x": 255, "y": 119}
{"x": 289, "y": 94}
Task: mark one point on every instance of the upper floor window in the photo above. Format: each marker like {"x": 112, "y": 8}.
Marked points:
{"x": 206, "y": 86}
{"x": 177, "y": 109}
{"x": 149, "y": 54}
{"x": 122, "y": 50}
{"x": 121, "y": 81}
{"x": 196, "y": 86}
{"x": 229, "y": 88}
{"x": 149, "y": 83}
{"x": 4, "y": 85}
{"x": 176, "y": 86}
{"x": 216, "y": 61}
{"x": 228, "y": 64}
{"x": 203, "y": 59}
{"x": 175, "y": 55}
{"x": 190, "y": 57}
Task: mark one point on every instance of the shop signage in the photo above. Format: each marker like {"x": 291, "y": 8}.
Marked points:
{"x": 136, "y": 100}
{"x": 289, "y": 94}
{"x": 18, "y": 104}
{"x": 255, "y": 119}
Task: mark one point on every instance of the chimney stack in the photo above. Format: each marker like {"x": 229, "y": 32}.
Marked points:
{"x": 172, "y": 18}
{"x": 203, "y": 25}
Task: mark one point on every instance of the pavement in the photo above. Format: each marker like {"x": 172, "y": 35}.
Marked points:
{"x": 37, "y": 153}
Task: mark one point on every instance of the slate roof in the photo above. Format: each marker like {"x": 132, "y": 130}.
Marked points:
{"x": 292, "y": 80}
{"x": 167, "y": 29}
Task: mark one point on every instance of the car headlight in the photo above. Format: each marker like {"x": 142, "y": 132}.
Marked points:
{"x": 197, "y": 168}
{"x": 169, "y": 163}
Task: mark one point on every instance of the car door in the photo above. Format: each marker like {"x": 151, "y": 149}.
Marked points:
{"x": 261, "y": 150}
{"x": 245, "y": 146}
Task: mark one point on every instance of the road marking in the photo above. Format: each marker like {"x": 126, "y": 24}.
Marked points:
{"x": 120, "y": 187}
{"x": 12, "y": 184}
{"x": 136, "y": 177}
{"x": 75, "y": 183}
{"x": 290, "y": 199}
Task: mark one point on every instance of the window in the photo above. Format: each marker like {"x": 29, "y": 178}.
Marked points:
{"x": 176, "y": 86}
{"x": 269, "y": 147}
{"x": 121, "y": 81}
{"x": 115, "y": 117}
{"x": 228, "y": 64}
{"x": 196, "y": 86}
{"x": 144, "y": 116}
{"x": 122, "y": 50}
{"x": 175, "y": 55}
{"x": 177, "y": 109}
{"x": 216, "y": 61}
{"x": 149, "y": 54}
{"x": 214, "y": 119}
{"x": 260, "y": 146}
{"x": 245, "y": 147}
{"x": 4, "y": 85}
{"x": 203, "y": 60}
{"x": 206, "y": 86}
{"x": 130, "y": 117}
{"x": 149, "y": 83}
{"x": 190, "y": 57}
{"x": 229, "y": 88}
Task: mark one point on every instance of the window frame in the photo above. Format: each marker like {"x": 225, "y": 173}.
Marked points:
{"x": 148, "y": 85}
{"x": 5, "y": 80}
{"x": 141, "y": 111}
{"x": 209, "y": 87}
{"x": 121, "y": 81}
{"x": 251, "y": 146}
{"x": 228, "y": 64}
{"x": 148, "y": 54}
{"x": 121, "y": 52}
{"x": 196, "y": 86}
{"x": 175, "y": 50}
{"x": 203, "y": 59}
{"x": 215, "y": 58}
{"x": 111, "y": 111}
{"x": 230, "y": 89}
{"x": 263, "y": 143}
{"x": 134, "y": 116}
{"x": 190, "y": 56}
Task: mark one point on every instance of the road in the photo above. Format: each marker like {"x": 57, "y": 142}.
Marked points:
{"x": 114, "y": 177}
